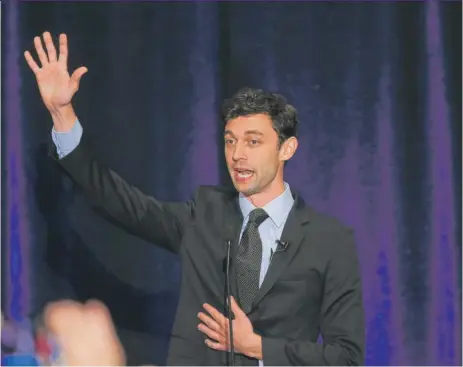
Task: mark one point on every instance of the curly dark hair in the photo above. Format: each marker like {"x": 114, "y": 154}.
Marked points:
{"x": 249, "y": 101}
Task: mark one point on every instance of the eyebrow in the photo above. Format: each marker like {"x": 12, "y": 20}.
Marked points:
{"x": 248, "y": 132}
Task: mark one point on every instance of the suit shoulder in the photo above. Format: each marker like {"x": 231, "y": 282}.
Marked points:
{"x": 333, "y": 239}
{"x": 326, "y": 222}
{"x": 334, "y": 236}
{"x": 214, "y": 193}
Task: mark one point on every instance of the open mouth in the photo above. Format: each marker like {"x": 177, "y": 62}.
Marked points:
{"x": 243, "y": 175}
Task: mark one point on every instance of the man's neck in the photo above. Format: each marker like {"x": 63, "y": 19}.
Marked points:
{"x": 261, "y": 199}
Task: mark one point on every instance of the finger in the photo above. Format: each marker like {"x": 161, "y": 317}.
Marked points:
{"x": 31, "y": 62}
{"x": 215, "y": 314}
{"x": 210, "y": 322}
{"x": 98, "y": 315}
{"x": 63, "y": 49}
{"x": 58, "y": 307}
{"x": 212, "y": 333}
{"x": 50, "y": 46}
{"x": 237, "y": 311}
{"x": 75, "y": 77}
{"x": 217, "y": 346}
{"x": 38, "y": 47}
{"x": 98, "y": 311}
{"x": 61, "y": 315}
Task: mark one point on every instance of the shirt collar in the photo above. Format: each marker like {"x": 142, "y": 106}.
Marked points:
{"x": 278, "y": 209}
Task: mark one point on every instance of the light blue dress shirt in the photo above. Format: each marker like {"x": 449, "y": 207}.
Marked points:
{"x": 67, "y": 141}
{"x": 270, "y": 230}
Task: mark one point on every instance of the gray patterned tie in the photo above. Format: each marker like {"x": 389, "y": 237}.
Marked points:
{"x": 248, "y": 261}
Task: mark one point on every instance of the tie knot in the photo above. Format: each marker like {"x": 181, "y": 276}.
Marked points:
{"x": 257, "y": 216}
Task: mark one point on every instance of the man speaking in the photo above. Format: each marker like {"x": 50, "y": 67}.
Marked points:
{"x": 294, "y": 271}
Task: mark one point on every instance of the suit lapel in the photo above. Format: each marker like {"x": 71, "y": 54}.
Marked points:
{"x": 293, "y": 234}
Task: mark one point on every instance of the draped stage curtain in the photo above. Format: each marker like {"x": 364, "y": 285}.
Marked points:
{"x": 378, "y": 90}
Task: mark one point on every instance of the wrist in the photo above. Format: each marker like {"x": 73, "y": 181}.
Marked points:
{"x": 254, "y": 349}
{"x": 63, "y": 118}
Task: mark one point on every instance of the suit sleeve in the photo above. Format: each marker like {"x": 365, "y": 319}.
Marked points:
{"x": 342, "y": 317}
{"x": 123, "y": 204}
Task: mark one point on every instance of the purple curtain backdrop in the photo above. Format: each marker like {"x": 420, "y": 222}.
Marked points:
{"x": 378, "y": 89}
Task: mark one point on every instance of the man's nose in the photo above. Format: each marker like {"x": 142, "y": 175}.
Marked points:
{"x": 239, "y": 152}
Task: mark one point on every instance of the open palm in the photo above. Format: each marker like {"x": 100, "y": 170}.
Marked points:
{"x": 56, "y": 86}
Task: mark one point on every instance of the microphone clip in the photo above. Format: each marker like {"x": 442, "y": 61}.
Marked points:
{"x": 281, "y": 245}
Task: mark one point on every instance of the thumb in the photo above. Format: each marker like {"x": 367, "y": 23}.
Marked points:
{"x": 75, "y": 77}
{"x": 237, "y": 311}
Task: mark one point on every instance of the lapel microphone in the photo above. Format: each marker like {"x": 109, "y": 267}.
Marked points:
{"x": 281, "y": 246}
{"x": 228, "y": 305}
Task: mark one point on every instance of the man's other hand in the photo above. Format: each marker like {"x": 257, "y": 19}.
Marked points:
{"x": 215, "y": 326}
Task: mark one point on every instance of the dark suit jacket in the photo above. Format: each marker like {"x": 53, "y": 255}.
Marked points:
{"x": 313, "y": 287}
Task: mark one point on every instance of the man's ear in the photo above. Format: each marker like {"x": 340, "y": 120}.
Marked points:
{"x": 288, "y": 148}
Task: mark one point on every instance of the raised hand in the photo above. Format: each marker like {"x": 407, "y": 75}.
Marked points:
{"x": 85, "y": 334}
{"x": 56, "y": 86}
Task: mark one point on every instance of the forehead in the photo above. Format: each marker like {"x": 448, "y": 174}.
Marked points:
{"x": 241, "y": 124}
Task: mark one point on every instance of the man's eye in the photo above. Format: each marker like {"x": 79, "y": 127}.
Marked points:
{"x": 254, "y": 142}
